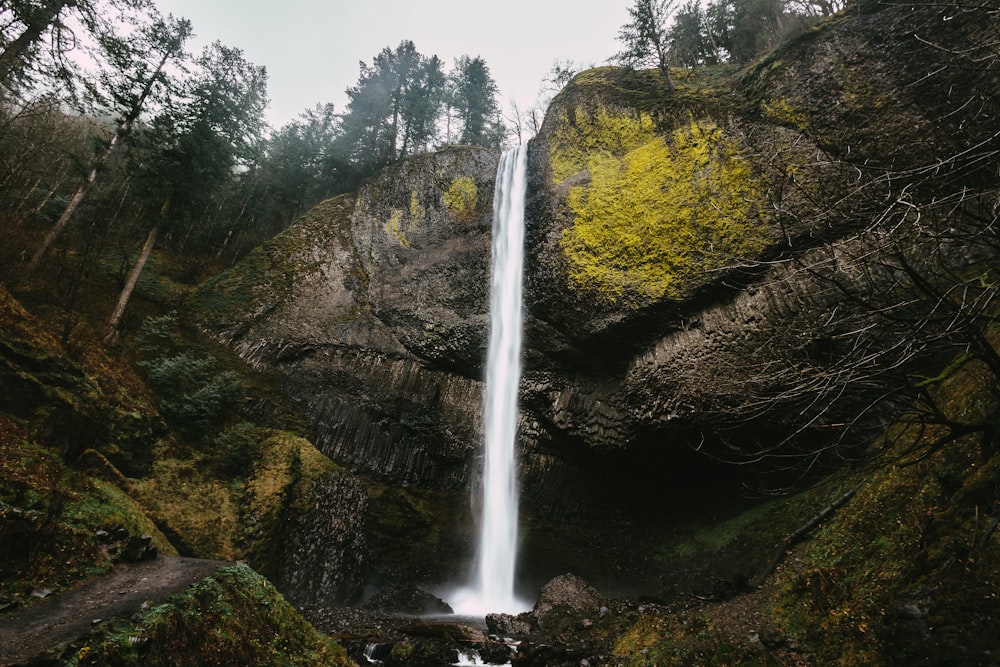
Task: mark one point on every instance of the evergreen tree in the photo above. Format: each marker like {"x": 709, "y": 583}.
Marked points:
{"x": 691, "y": 40}
{"x": 136, "y": 69}
{"x": 757, "y": 25}
{"x": 392, "y": 110}
{"x": 195, "y": 147}
{"x": 646, "y": 37}
{"x": 301, "y": 168}
{"x": 476, "y": 102}
{"x": 37, "y": 35}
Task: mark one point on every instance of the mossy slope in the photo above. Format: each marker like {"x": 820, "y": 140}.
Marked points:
{"x": 905, "y": 573}
{"x": 234, "y": 617}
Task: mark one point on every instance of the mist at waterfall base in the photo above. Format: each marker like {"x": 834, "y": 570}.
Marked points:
{"x": 492, "y": 589}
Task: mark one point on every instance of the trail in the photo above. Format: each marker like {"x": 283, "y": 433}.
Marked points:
{"x": 61, "y": 618}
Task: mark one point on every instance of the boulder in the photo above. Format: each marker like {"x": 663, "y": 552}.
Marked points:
{"x": 566, "y": 595}
{"x": 509, "y": 625}
{"x": 404, "y": 599}
{"x": 138, "y": 549}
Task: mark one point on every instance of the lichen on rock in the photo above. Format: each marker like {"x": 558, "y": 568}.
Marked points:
{"x": 461, "y": 198}
{"x": 659, "y": 214}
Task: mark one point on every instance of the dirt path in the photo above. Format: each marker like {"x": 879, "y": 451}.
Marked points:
{"x": 120, "y": 593}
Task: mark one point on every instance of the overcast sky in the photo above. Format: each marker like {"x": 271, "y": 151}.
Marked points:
{"x": 311, "y": 48}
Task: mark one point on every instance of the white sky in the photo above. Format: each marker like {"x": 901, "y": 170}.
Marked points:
{"x": 311, "y": 48}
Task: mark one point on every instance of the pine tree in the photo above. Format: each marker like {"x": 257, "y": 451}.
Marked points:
{"x": 646, "y": 37}
{"x": 476, "y": 102}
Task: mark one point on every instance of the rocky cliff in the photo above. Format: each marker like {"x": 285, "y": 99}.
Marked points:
{"x": 706, "y": 270}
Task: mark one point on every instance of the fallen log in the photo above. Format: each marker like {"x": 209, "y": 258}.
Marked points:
{"x": 798, "y": 535}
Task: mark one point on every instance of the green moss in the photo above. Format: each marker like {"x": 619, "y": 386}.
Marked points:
{"x": 657, "y": 214}
{"x": 680, "y": 640}
{"x": 53, "y": 543}
{"x": 234, "y": 617}
{"x": 181, "y": 480}
{"x": 417, "y": 210}
{"x": 243, "y": 518}
{"x": 273, "y": 501}
{"x": 401, "y": 223}
{"x": 916, "y": 526}
{"x": 418, "y": 530}
{"x": 595, "y": 135}
{"x": 461, "y": 198}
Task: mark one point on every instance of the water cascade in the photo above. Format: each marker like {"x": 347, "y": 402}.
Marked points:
{"x": 493, "y": 589}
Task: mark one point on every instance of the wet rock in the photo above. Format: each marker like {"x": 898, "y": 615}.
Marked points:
{"x": 421, "y": 653}
{"x": 452, "y": 632}
{"x": 325, "y": 556}
{"x": 538, "y": 655}
{"x": 906, "y": 628}
{"x": 402, "y": 599}
{"x": 508, "y": 625}
{"x": 566, "y": 596}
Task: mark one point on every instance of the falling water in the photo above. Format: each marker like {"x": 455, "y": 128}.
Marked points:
{"x": 493, "y": 590}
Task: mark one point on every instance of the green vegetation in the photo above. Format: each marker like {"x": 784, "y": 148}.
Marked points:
{"x": 418, "y": 528}
{"x": 930, "y": 544}
{"x": 904, "y": 573}
{"x": 193, "y": 394}
{"x": 658, "y": 214}
{"x": 234, "y": 617}
{"x": 49, "y": 515}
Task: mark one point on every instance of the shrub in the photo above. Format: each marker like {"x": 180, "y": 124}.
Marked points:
{"x": 193, "y": 393}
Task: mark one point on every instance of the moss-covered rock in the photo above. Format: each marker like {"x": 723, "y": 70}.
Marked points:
{"x": 293, "y": 514}
{"x": 233, "y": 617}
{"x": 51, "y": 515}
{"x": 658, "y": 216}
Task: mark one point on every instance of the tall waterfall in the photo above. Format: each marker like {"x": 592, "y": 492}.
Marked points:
{"x": 493, "y": 589}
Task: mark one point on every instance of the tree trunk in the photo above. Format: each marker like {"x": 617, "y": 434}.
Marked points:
{"x": 81, "y": 192}
{"x": 40, "y": 20}
{"x": 111, "y": 329}
{"x": 797, "y": 535}
{"x": 67, "y": 214}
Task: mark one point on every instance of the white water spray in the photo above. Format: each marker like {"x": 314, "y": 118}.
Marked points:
{"x": 493, "y": 590}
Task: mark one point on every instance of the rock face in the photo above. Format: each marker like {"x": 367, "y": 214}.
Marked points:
{"x": 704, "y": 268}
{"x": 374, "y": 308}
{"x": 325, "y": 558}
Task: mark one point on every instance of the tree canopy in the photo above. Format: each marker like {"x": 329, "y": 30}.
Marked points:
{"x": 664, "y": 33}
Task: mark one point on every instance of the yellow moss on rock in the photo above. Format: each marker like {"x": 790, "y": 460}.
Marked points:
{"x": 656, "y": 213}
{"x": 600, "y": 133}
{"x": 783, "y": 111}
{"x": 402, "y": 221}
{"x": 417, "y": 210}
{"x": 461, "y": 198}
{"x": 394, "y": 227}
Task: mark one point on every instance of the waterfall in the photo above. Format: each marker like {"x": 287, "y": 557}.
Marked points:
{"x": 493, "y": 589}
